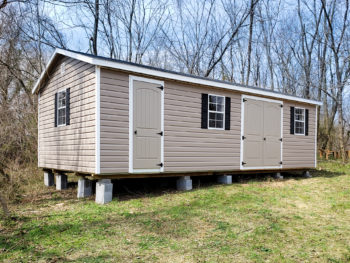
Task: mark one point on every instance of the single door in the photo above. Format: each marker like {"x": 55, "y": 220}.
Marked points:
{"x": 261, "y": 134}
{"x": 253, "y": 133}
{"x": 146, "y": 125}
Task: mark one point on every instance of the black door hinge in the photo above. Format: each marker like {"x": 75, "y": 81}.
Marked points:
{"x": 244, "y": 100}
{"x": 161, "y": 87}
{"x": 243, "y": 137}
{"x": 160, "y": 133}
{"x": 160, "y": 164}
{"x": 243, "y": 163}
{"x": 280, "y": 162}
{"x": 281, "y": 105}
{"x": 281, "y": 139}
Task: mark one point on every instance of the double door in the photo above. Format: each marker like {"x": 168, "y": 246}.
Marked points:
{"x": 262, "y": 133}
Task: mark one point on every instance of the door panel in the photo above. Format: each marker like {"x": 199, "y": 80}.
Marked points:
{"x": 272, "y": 134}
{"x": 262, "y": 132}
{"x": 146, "y": 125}
{"x": 253, "y": 132}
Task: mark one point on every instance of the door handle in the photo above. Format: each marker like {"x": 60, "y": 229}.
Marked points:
{"x": 135, "y": 132}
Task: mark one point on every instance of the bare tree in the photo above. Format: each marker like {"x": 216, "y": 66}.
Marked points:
{"x": 339, "y": 46}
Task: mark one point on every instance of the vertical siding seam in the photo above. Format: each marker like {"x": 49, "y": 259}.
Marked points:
{"x": 98, "y": 121}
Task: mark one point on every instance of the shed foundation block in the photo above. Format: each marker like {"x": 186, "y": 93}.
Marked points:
{"x": 49, "y": 179}
{"x": 84, "y": 188}
{"x": 61, "y": 181}
{"x": 184, "y": 183}
{"x": 225, "y": 179}
{"x": 278, "y": 176}
{"x": 306, "y": 174}
{"x": 104, "y": 191}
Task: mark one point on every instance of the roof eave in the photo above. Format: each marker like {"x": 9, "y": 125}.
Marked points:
{"x": 166, "y": 75}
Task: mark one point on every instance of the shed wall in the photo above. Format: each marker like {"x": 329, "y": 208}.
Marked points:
{"x": 70, "y": 147}
{"x": 187, "y": 147}
{"x": 298, "y": 150}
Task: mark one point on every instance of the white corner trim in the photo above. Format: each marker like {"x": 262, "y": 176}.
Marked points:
{"x": 316, "y": 108}
{"x": 38, "y": 129}
{"x": 242, "y": 133}
{"x": 167, "y": 75}
{"x": 131, "y": 122}
{"x": 98, "y": 121}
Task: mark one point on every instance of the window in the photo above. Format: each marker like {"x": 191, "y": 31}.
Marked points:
{"x": 216, "y": 112}
{"x": 299, "y": 121}
{"x": 61, "y": 108}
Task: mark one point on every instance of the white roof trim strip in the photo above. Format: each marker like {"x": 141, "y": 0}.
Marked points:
{"x": 166, "y": 75}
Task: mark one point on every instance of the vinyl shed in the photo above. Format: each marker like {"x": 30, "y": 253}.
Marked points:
{"x": 112, "y": 119}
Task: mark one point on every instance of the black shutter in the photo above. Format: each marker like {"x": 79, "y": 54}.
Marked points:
{"x": 55, "y": 109}
{"x": 291, "y": 120}
{"x": 68, "y": 106}
{"x": 205, "y": 103}
{"x": 227, "y": 113}
{"x": 306, "y": 122}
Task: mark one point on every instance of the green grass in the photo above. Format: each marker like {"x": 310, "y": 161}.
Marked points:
{"x": 294, "y": 220}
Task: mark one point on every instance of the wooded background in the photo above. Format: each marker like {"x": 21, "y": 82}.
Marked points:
{"x": 299, "y": 47}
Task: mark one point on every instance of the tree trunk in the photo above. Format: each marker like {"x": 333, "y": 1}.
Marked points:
{"x": 4, "y": 206}
{"x": 95, "y": 34}
{"x": 251, "y": 22}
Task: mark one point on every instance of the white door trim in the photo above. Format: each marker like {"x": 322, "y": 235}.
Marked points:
{"x": 131, "y": 124}
{"x": 98, "y": 120}
{"x": 242, "y": 133}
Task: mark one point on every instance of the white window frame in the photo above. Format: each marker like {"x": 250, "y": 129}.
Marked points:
{"x": 59, "y": 108}
{"x": 295, "y": 120}
{"x": 223, "y": 112}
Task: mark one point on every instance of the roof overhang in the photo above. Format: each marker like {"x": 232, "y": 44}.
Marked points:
{"x": 130, "y": 67}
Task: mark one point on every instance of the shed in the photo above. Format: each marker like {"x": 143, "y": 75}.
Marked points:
{"x": 114, "y": 119}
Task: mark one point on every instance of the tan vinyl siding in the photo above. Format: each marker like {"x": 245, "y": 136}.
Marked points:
{"x": 114, "y": 121}
{"x": 70, "y": 147}
{"x": 187, "y": 147}
{"x": 298, "y": 150}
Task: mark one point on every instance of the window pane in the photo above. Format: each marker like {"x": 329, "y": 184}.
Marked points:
{"x": 220, "y": 100}
{"x": 211, "y": 116}
{"x": 219, "y": 124}
{"x": 212, "y": 107}
{"x": 219, "y": 116}
{"x": 211, "y": 123}
{"x": 212, "y": 99}
{"x": 299, "y": 117}
{"x": 220, "y": 108}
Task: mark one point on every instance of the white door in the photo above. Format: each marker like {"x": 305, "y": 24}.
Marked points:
{"x": 262, "y": 133}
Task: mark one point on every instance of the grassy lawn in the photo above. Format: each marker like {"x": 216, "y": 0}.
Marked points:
{"x": 252, "y": 220}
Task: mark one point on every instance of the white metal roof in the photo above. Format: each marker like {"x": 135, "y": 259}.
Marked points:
{"x": 156, "y": 72}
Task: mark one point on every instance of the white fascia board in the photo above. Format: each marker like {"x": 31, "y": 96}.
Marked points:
{"x": 37, "y": 84}
{"x": 174, "y": 76}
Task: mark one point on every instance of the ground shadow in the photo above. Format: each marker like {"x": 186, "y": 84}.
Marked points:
{"x": 126, "y": 189}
